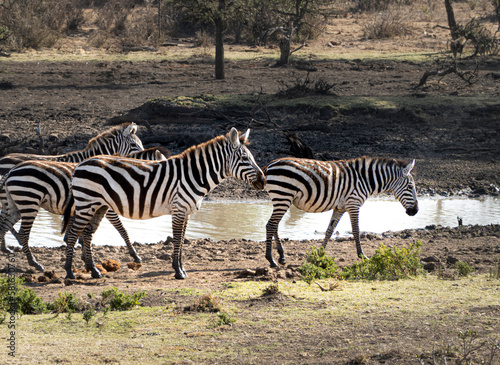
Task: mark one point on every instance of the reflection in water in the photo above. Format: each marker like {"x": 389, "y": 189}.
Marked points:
{"x": 227, "y": 220}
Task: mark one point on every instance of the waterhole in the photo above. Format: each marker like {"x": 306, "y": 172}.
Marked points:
{"x": 225, "y": 220}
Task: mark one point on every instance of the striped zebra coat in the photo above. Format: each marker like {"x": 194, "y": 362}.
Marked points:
{"x": 320, "y": 186}
{"x": 121, "y": 139}
{"x": 32, "y": 185}
{"x": 142, "y": 190}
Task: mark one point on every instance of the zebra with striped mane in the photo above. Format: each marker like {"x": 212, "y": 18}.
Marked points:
{"x": 320, "y": 186}
{"x": 32, "y": 185}
{"x": 146, "y": 189}
{"x": 121, "y": 139}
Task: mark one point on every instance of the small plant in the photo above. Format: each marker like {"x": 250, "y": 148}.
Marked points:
{"x": 119, "y": 301}
{"x": 224, "y": 319}
{"x": 65, "y": 302}
{"x": 89, "y": 314}
{"x": 318, "y": 265}
{"x": 463, "y": 268}
{"x": 271, "y": 289}
{"x": 205, "y": 303}
{"x": 14, "y": 297}
{"x": 305, "y": 87}
{"x": 387, "y": 264}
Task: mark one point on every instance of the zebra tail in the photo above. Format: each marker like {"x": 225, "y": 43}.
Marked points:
{"x": 70, "y": 205}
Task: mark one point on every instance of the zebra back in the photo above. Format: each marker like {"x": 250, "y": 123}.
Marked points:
{"x": 121, "y": 139}
{"x": 318, "y": 186}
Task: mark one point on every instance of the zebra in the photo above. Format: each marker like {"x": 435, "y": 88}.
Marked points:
{"x": 344, "y": 185}
{"x": 32, "y": 185}
{"x": 121, "y": 139}
{"x": 147, "y": 189}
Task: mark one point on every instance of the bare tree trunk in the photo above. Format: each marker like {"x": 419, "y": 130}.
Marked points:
{"x": 451, "y": 19}
{"x": 284, "y": 51}
{"x": 219, "y": 42}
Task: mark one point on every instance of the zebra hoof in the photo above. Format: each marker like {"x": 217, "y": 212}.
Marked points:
{"x": 70, "y": 274}
{"x": 37, "y": 266}
{"x": 180, "y": 275}
{"x": 282, "y": 261}
{"x": 96, "y": 274}
{"x": 137, "y": 260}
{"x": 5, "y": 249}
{"x": 273, "y": 264}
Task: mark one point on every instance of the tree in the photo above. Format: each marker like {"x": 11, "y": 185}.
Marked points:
{"x": 213, "y": 12}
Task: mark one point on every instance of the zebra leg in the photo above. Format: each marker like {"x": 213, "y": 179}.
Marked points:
{"x": 24, "y": 235}
{"x": 117, "y": 223}
{"x": 336, "y": 215}
{"x": 87, "y": 235}
{"x": 7, "y": 220}
{"x": 272, "y": 231}
{"x": 179, "y": 224}
{"x": 74, "y": 231}
{"x": 354, "y": 214}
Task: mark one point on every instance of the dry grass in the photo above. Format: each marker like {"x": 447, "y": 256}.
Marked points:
{"x": 404, "y": 319}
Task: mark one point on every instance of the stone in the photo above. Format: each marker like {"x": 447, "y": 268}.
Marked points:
{"x": 111, "y": 265}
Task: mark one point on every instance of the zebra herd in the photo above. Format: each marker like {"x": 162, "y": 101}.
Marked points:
{"x": 115, "y": 176}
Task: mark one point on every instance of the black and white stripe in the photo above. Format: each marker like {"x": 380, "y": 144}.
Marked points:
{"x": 319, "y": 186}
{"x": 121, "y": 139}
{"x": 32, "y": 185}
{"x": 142, "y": 190}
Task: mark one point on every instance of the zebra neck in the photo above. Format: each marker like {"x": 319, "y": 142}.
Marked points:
{"x": 205, "y": 168}
{"x": 376, "y": 178}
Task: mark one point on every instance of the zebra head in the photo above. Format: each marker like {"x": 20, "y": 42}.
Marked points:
{"x": 241, "y": 163}
{"x": 404, "y": 190}
{"x": 128, "y": 142}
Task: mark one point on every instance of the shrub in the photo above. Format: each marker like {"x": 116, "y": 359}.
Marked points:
{"x": 388, "y": 24}
{"x": 387, "y": 264}
{"x": 224, "y": 319}
{"x": 305, "y": 87}
{"x": 65, "y": 302}
{"x": 14, "y": 297}
{"x": 318, "y": 265}
{"x": 120, "y": 301}
{"x": 205, "y": 303}
{"x": 271, "y": 289}
{"x": 89, "y": 314}
{"x": 463, "y": 268}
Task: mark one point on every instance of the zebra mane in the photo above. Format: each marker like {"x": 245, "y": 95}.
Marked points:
{"x": 389, "y": 161}
{"x": 219, "y": 140}
{"x": 110, "y": 133}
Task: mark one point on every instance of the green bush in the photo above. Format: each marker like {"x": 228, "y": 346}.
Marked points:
{"x": 65, "y": 302}
{"x": 318, "y": 265}
{"x": 387, "y": 264}
{"x": 463, "y": 268}
{"x": 120, "y": 301}
{"x": 14, "y": 297}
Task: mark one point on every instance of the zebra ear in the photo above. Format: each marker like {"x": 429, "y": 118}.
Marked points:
{"x": 407, "y": 169}
{"x": 234, "y": 137}
{"x": 244, "y": 137}
{"x": 131, "y": 129}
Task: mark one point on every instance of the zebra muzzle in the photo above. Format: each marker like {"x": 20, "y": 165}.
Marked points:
{"x": 260, "y": 182}
{"x": 412, "y": 210}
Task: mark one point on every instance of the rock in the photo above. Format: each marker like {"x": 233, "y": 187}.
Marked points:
{"x": 43, "y": 279}
{"x": 51, "y": 274}
{"x": 451, "y": 260}
{"x": 246, "y": 273}
{"x": 430, "y": 259}
{"x": 102, "y": 269}
{"x": 261, "y": 271}
{"x": 111, "y": 265}
{"x": 134, "y": 265}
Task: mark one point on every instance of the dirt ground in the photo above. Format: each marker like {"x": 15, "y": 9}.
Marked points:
{"x": 455, "y": 146}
